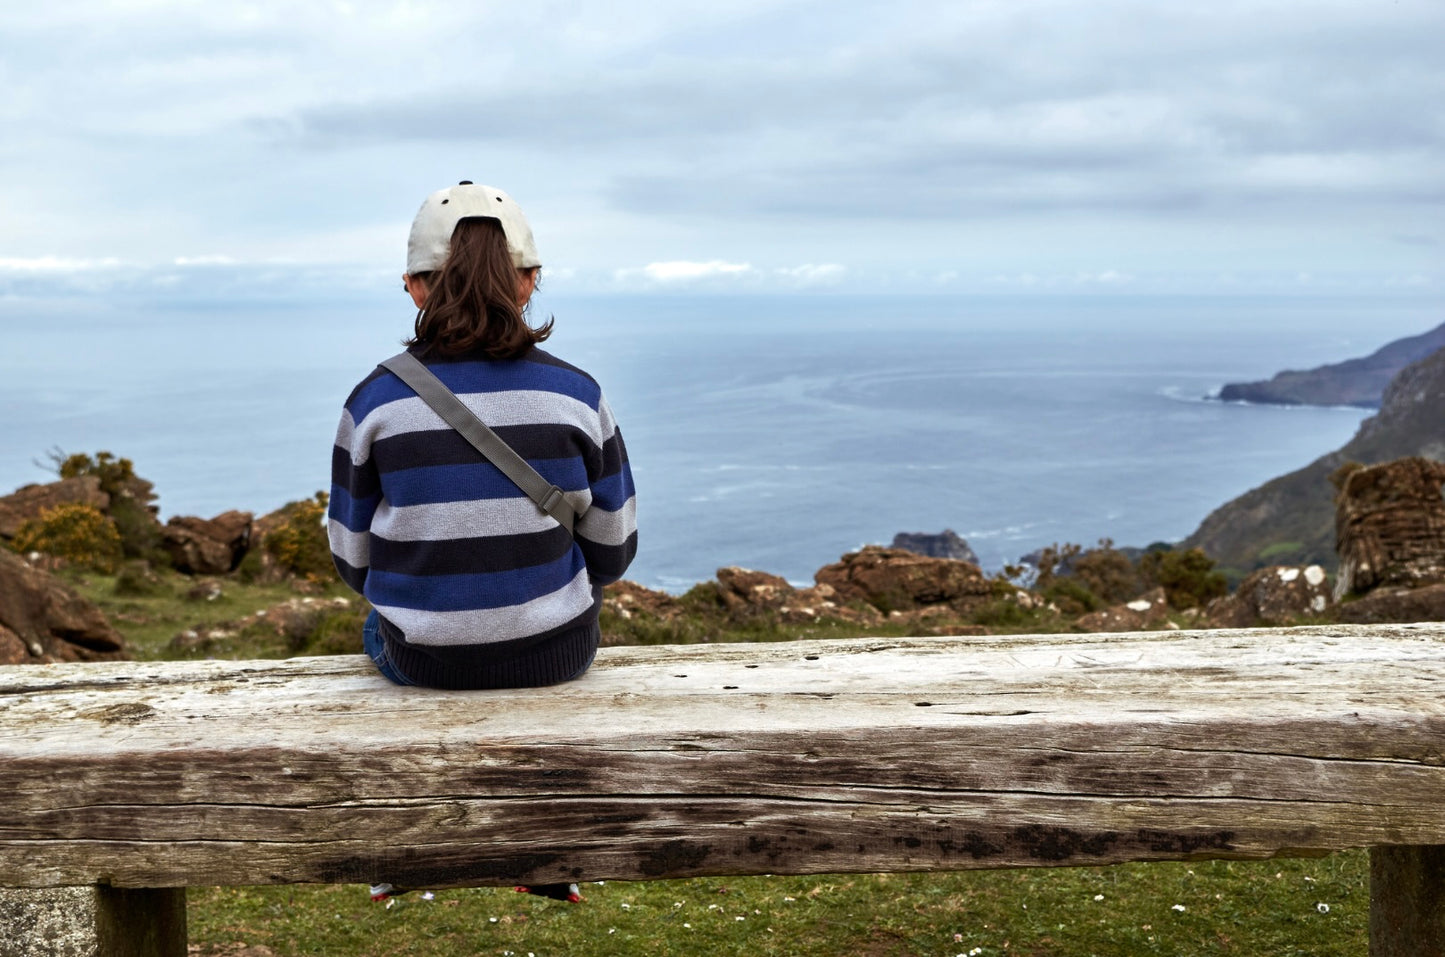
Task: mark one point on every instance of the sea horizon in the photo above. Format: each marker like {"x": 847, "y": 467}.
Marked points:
{"x": 776, "y": 432}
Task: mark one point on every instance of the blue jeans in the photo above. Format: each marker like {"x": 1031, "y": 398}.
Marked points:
{"x": 375, "y": 647}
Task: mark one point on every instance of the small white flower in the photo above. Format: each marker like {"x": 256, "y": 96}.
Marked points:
{"x": 1322, "y": 907}
{"x": 428, "y": 896}
{"x": 1098, "y": 897}
{"x": 1179, "y": 907}
{"x": 738, "y": 918}
{"x": 612, "y": 930}
{"x": 492, "y": 920}
{"x": 687, "y": 925}
{"x": 627, "y": 907}
{"x": 789, "y": 898}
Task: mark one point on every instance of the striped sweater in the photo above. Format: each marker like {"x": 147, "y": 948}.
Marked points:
{"x": 463, "y": 568}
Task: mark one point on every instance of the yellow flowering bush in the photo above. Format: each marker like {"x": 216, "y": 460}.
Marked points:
{"x": 299, "y": 544}
{"x": 81, "y": 534}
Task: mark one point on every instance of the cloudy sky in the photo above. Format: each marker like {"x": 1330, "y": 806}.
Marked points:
{"x": 973, "y": 145}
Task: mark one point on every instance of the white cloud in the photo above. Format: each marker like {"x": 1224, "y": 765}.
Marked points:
{"x": 1108, "y": 277}
{"x": 682, "y": 271}
{"x": 204, "y": 261}
{"x": 1014, "y": 139}
{"x": 810, "y": 274}
{"x": 54, "y": 264}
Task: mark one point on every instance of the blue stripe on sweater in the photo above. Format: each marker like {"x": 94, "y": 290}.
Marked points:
{"x": 478, "y": 480}
{"x": 354, "y": 513}
{"x": 612, "y": 492}
{"x": 475, "y": 376}
{"x": 472, "y": 592}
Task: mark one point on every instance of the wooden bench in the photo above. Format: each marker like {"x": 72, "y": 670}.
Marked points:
{"x": 921, "y": 754}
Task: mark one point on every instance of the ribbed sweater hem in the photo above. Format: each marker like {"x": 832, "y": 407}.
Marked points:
{"x": 557, "y": 656}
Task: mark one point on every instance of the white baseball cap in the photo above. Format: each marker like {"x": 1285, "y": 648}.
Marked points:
{"x": 431, "y": 231}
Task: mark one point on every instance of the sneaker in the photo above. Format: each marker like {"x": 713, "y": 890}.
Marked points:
{"x": 567, "y": 893}
{"x": 382, "y": 892}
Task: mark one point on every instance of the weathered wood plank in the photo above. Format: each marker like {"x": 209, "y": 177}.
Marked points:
{"x": 1407, "y": 901}
{"x": 791, "y": 758}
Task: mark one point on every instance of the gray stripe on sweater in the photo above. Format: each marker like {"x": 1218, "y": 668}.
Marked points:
{"x": 487, "y": 625}
{"x": 412, "y": 414}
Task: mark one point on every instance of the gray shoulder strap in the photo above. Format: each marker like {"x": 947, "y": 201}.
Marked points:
{"x": 549, "y": 498}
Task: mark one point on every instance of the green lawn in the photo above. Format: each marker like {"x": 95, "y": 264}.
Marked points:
{"x": 1276, "y": 908}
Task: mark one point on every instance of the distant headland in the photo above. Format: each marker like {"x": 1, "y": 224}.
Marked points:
{"x": 1354, "y": 382}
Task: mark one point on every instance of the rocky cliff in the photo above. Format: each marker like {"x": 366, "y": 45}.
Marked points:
{"x": 1292, "y": 518}
{"x": 1358, "y": 382}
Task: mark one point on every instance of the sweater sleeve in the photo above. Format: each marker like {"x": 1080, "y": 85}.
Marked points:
{"x": 355, "y": 494}
{"x": 607, "y": 531}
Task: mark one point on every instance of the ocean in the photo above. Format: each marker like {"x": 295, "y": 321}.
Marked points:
{"x": 773, "y": 432}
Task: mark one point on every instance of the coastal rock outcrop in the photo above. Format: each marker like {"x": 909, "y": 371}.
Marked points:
{"x": 28, "y": 502}
{"x": 1359, "y": 382}
{"x": 892, "y": 579}
{"x": 207, "y": 546}
{"x": 625, "y": 598}
{"x": 946, "y": 544}
{"x": 1390, "y": 525}
{"x": 1294, "y": 515}
{"x": 1149, "y": 610}
{"x": 1395, "y": 605}
{"x": 1278, "y": 595}
{"x": 43, "y": 620}
{"x": 743, "y": 590}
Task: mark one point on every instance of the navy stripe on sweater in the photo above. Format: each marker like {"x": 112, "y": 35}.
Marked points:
{"x": 497, "y": 589}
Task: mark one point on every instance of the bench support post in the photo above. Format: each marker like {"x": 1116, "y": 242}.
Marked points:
{"x": 1407, "y": 901}
{"x": 98, "y": 921}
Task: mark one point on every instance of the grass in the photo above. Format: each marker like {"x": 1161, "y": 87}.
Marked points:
{"x": 177, "y": 604}
{"x": 1277, "y": 908}
{"x": 1291, "y": 908}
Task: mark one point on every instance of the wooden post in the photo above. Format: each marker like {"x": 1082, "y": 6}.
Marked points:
{"x": 97, "y": 921}
{"x": 1407, "y": 901}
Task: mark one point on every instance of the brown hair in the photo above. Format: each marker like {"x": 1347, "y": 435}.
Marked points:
{"x": 471, "y": 302}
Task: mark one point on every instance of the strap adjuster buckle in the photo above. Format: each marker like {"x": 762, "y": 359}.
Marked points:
{"x": 549, "y": 501}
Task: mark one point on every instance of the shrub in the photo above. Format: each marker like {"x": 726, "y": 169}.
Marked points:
{"x": 298, "y": 542}
{"x": 1072, "y": 596}
{"x": 130, "y": 500}
{"x": 114, "y": 474}
{"x": 1189, "y": 577}
{"x": 1080, "y": 581}
{"x": 1108, "y": 574}
{"x": 80, "y": 534}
